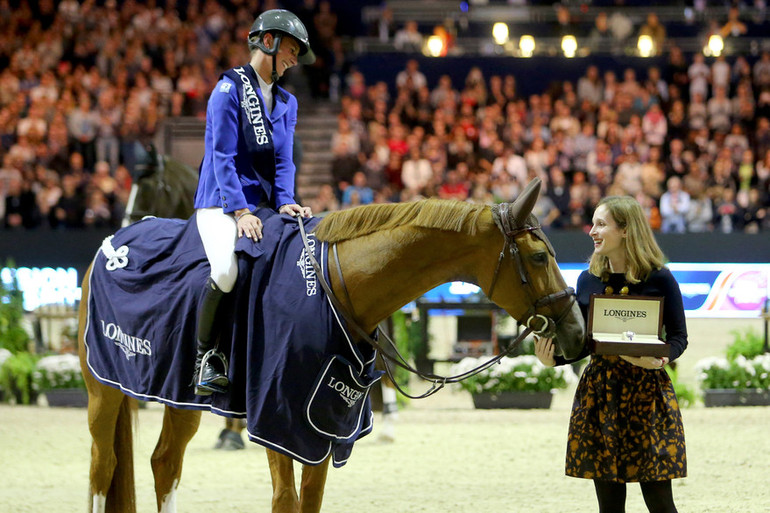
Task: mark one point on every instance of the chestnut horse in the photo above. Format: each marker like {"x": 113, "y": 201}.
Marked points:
{"x": 388, "y": 256}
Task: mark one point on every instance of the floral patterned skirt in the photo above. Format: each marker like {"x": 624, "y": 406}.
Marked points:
{"x": 625, "y": 425}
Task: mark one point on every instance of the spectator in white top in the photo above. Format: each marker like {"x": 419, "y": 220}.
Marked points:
{"x": 411, "y": 77}
{"x": 654, "y": 126}
{"x": 697, "y": 112}
{"x": 720, "y": 73}
{"x": 408, "y": 39}
{"x": 511, "y": 164}
{"x": 719, "y": 110}
{"x": 699, "y": 74}
{"x": 443, "y": 92}
{"x": 674, "y": 206}
{"x": 620, "y": 25}
{"x": 34, "y": 126}
{"x": 589, "y": 86}
{"x": 345, "y": 142}
{"x": 629, "y": 173}
{"x": 416, "y": 172}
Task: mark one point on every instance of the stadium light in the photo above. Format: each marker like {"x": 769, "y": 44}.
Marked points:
{"x": 527, "y": 45}
{"x": 715, "y": 46}
{"x": 646, "y": 46}
{"x": 569, "y": 46}
{"x": 434, "y": 47}
{"x": 500, "y": 33}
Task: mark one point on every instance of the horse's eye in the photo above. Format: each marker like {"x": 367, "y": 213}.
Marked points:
{"x": 540, "y": 258}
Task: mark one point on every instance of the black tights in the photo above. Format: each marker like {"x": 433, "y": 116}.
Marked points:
{"x": 657, "y": 495}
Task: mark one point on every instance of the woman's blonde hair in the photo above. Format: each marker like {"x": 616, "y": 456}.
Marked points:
{"x": 643, "y": 255}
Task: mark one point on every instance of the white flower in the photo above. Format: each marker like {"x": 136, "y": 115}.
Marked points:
{"x": 4, "y": 355}
{"x": 58, "y": 371}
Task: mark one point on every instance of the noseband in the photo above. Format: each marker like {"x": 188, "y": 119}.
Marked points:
{"x": 547, "y": 326}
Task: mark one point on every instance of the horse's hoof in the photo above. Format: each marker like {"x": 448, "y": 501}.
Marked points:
{"x": 388, "y": 433}
{"x": 221, "y": 439}
{"x": 232, "y": 441}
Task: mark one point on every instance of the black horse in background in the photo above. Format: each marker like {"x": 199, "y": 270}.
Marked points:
{"x": 162, "y": 186}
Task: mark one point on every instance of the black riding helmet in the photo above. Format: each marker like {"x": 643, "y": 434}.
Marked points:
{"x": 279, "y": 22}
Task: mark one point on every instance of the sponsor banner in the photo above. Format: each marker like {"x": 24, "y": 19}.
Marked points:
{"x": 708, "y": 290}
{"x": 43, "y": 286}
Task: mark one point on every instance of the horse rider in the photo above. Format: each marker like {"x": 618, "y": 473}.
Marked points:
{"x": 247, "y": 163}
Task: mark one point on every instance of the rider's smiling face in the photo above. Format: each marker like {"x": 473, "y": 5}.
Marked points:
{"x": 287, "y": 54}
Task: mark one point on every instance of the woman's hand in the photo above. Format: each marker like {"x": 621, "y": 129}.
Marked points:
{"x": 646, "y": 362}
{"x": 544, "y": 349}
{"x": 248, "y": 225}
{"x": 294, "y": 210}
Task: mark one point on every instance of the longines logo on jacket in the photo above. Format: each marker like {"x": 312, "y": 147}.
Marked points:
{"x": 625, "y": 315}
{"x": 130, "y": 345}
{"x": 347, "y": 393}
{"x": 306, "y": 268}
{"x": 253, "y": 108}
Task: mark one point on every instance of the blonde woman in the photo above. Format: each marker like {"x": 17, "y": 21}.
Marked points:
{"x": 625, "y": 424}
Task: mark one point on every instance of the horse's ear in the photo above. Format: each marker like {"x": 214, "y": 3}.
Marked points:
{"x": 523, "y": 205}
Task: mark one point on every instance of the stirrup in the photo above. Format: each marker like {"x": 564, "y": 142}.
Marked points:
{"x": 217, "y": 383}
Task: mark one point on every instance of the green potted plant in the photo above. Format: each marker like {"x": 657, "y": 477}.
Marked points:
{"x": 16, "y": 377}
{"x": 518, "y": 382}
{"x": 60, "y": 379}
{"x": 16, "y": 363}
{"x": 742, "y": 378}
{"x": 735, "y": 382}
{"x": 13, "y": 336}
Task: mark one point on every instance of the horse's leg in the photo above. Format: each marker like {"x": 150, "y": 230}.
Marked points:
{"x": 230, "y": 438}
{"x": 389, "y": 410}
{"x": 179, "y": 426}
{"x": 112, "y": 466}
{"x": 285, "y": 499}
{"x": 311, "y": 493}
{"x": 111, "y": 477}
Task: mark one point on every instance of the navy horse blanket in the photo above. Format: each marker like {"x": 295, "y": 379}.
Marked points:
{"x": 295, "y": 375}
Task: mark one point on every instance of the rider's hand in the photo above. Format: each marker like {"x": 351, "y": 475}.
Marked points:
{"x": 544, "y": 349}
{"x": 646, "y": 362}
{"x": 248, "y": 225}
{"x": 294, "y": 210}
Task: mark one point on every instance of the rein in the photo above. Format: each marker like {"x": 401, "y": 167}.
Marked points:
{"x": 437, "y": 381}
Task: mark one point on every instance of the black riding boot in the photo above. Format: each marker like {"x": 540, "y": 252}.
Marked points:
{"x": 210, "y": 365}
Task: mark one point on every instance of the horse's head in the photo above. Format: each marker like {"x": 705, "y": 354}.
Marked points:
{"x": 527, "y": 281}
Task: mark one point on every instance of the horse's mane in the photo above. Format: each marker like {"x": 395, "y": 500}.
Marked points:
{"x": 449, "y": 215}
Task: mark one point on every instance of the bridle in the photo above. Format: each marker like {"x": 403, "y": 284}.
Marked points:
{"x": 392, "y": 354}
{"x": 502, "y": 218}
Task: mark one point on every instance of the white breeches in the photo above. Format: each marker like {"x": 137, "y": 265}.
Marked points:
{"x": 219, "y": 232}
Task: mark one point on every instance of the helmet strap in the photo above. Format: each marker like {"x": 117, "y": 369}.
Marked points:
{"x": 274, "y": 74}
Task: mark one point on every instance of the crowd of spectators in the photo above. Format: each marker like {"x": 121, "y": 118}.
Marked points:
{"x": 84, "y": 82}
{"x": 690, "y": 140}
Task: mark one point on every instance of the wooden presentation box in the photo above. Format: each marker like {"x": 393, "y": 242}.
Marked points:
{"x": 627, "y": 325}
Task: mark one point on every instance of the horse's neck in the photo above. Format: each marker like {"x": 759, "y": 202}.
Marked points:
{"x": 386, "y": 270}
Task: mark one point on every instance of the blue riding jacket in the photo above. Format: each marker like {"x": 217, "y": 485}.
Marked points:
{"x": 227, "y": 175}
